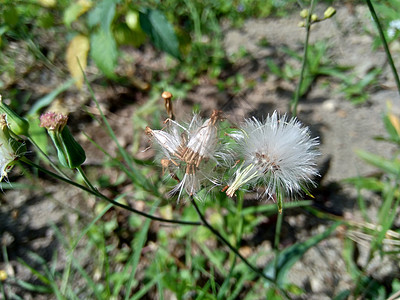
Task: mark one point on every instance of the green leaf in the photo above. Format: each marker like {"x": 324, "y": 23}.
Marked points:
{"x": 160, "y": 31}
{"x": 103, "y": 14}
{"x": 73, "y": 11}
{"x": 10, "y": 16}
{"x": 388, "y": 166}
{"x": 33, "y": 287}
{"x": 369, "y": 183}
{"x": 288, "y": 257}
{"x": 46, "y": 100}
{"x": 103, "y": 50}
{"x": 343, "y": 295}
{"x": 390, "y": 129}
{"x": 349, "y": 249}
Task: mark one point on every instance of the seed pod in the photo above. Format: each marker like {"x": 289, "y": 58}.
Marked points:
{"x": 70, "y": 153}
{"x": 10, "y": 149}
{"x": 17, "y": 124}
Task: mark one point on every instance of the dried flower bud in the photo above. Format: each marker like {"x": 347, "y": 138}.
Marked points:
{"x": 53, "y": 121}
{"x": 167, "y": 96}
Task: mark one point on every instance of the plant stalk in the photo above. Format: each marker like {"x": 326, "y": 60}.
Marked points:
{"x": 385, "y": 44}
{"x": 96, "y": 193}
{"x": 225, "y": 241}
{"x": 296, "y": 98}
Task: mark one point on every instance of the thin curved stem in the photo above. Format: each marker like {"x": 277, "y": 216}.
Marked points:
{"x": 234, "y": 250}
{"x": 277, "y": 240}
{"x": 225, "y": 241}
{"x": 86, "y": 179}
{"x": 55, "y": 167}
{"x": 385, "y": 44}
{"x": 96, "y": 193}
{"x": 296, "y": 98}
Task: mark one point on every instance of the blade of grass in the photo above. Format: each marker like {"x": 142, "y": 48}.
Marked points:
{"x": 118, "y": 163}
{"x": 215, "y": 260}
{"x": 239, "y": 284}
{"x": 48, "y": 278}
{"x": 140, "y": 179}
{"x": 46, "y": 100}
{"x": 385, "y": 44}
{"x": 296, "y": 98}
{"x": 33, "y": 287}
{"x": 138, "y": 245}
{"x": 88, "y": 279}
{"x": 144, "y": 289}
{"x": 272, "y": 207}
{"x": 72, "y": 248}
{"x": 289, "y": 256}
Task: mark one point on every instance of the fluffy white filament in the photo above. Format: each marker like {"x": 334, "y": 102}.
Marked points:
{"x": 190, "y": 149}
{"x": 278, "y": 153}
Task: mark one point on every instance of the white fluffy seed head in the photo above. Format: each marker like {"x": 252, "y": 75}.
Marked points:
{"x": 7, "y": 159}
{"x": 278, "y": 153}
{"x": 191, "y": 152}
{"x": 204, "y": 140}
{"x": 168, "y": 142}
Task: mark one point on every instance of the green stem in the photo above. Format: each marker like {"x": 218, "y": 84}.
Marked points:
{"x": 96, "y": 193}
{"x": 225, "y": 241}
{"x": 55, "y": 167}
{"x": 86, "y": 180}
{"x": 276, "y": 241}
{"x": 296, "y": 98}
{"x": 385, "y": 44}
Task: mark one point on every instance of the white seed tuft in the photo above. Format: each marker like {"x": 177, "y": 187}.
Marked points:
{"x": 278, "y": 153}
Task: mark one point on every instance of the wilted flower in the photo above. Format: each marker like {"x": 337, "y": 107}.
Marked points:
{"x": 10, "y": 149}
{"x": 192, "y": 150}
{"x": 53, "y": 121}
{"x": 278, "y": 153}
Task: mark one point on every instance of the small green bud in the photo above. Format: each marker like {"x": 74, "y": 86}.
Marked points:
{"x": 329, "y": 12}
{"x": 10, "y": 149}
{"x": 70, "y": 153}
{"x": 304, "y": 13}
{"x": 17, "y": 124}
{"x": 301, "y": 24}
{"x": 314, "y": 17}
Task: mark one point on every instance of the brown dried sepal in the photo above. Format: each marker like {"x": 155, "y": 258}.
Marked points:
{"x": 167, "y": 96}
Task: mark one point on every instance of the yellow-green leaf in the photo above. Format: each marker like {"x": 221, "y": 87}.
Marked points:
{"x": 76, "y": 9}
{"x": 77, "y": 52}
{"x": 47, "y": 3}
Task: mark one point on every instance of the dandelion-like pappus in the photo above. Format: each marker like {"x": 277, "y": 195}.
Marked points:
{"x": 190, "y": 150}
{"x": 277, "y": 153}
